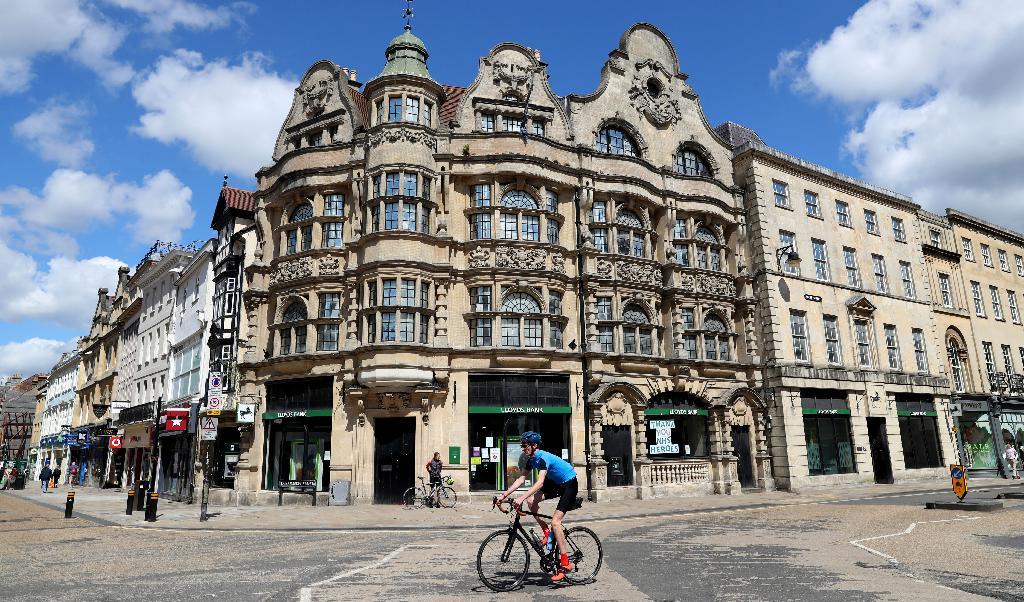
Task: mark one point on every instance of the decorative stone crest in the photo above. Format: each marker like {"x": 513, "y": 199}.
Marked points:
{"x": 615, "y": 411}
{"x": 512, "y": 77}
{"x": 558, "y": 263}
{"x": 654, "y": 102}
{"x": 604, "y": 268}
{"x": 739, "y": 414}
{"x": 316, "y": 95}
{"x": 401, "y": 134}
{"x": 479, "y": 258}
{"x": 716, "y": 285}
{"x": 329, "y": 266}
{"x": 642, "y": 273}
{"x": 292, "y": 270}
{"x": 518, "y": 257}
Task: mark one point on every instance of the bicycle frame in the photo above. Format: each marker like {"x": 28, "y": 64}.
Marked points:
{"x": 516, "y": 527}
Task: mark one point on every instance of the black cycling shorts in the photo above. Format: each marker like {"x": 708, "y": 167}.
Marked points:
{"x": 566, "y": 492}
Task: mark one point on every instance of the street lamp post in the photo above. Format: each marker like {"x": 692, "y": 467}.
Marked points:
{"x": 1003, "y": 387}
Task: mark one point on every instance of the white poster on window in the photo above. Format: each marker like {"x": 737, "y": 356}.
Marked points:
{"x": 489, "y": 442}
{"x": 663, "y": 437}
{"x": 495, "y": 454}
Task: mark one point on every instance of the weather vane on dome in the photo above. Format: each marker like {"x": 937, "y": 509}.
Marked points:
{"x": 407, "y": 13}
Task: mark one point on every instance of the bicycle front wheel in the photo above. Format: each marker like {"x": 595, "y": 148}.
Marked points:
{"x": 446, "y": 497}
{"x": 585, "y": 553}
{"x": 411, "y": 498}
{"x": 503, "y": 560}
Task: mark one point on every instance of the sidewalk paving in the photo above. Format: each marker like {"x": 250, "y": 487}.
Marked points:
{"x": 107, "y": 507}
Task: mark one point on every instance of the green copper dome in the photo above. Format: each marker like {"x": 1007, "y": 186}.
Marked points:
{"x": 406, "y": 55}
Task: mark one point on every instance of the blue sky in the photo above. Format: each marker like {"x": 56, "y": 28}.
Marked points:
{"x": 118, "y": 118}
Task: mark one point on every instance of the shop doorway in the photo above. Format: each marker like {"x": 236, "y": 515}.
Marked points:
{"x": 881, "y": 463}
{"x": 394, "y": 464}
{"x": 618, "y": 453}
{"x": 744, "y": 461}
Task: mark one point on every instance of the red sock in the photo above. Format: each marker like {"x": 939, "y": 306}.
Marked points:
{"x": 565, "y": 558}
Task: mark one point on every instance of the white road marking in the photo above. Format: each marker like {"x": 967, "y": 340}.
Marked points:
{"x": 306, "y": 593}
{"x": 908, "y": 530}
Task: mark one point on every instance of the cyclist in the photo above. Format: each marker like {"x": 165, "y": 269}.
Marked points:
{"x": 434, "y": 467}
{"x": 556, "y": 478}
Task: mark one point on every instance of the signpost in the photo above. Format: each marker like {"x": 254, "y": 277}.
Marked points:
{"x": 215, "y": 396}
{"x": 959, "y": 477}
{"x": 208, "y": 428}
{"x": 116, "y": 443}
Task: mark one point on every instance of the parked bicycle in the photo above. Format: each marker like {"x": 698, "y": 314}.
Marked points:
{"x": 436, "y": 494}
{"x": 504, "y": 557}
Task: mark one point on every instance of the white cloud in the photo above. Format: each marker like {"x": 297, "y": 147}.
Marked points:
{"x": 29, "y": 29}
{"x": 227, "y": 115}
{"x": 73, "y": 200}
{"x": 31, "y": 356}
{"x": 64, "y": 293}
{"x": 56, "y": 132}
{"x": 934, "y": 87}
{"x": 163, "y": 16}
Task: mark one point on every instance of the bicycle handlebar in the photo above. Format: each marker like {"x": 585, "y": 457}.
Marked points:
{"x": 519, "y": 509}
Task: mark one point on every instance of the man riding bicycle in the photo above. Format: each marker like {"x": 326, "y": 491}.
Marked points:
{"x": 556, "y": 478}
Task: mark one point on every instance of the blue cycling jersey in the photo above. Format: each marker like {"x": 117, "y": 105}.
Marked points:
{"x": 560, "y": 472}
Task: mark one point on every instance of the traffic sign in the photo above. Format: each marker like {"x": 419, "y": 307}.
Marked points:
{"x": 208, "y": 428}
{"x": 116, "y": 443}
{"x": 216, "y": 383}
{"x": 213, "y": 412}
{"x": 959, "y": 477}
{"x": 955, "y": 409}
{"x": 214, "y": 401}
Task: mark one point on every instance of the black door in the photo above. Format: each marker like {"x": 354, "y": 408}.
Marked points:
{"x": 394, "y": 465}
{"x": 618, "y": 453}
{"x": 880, "y": 461}
{"x": 744, "y": 462}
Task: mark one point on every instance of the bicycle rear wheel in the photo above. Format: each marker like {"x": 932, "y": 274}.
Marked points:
{"x": 503, "y": 560}
{"x": 411, "y": 498}
{"x": 447, "y": 498}
{"x": 585, "y": 553}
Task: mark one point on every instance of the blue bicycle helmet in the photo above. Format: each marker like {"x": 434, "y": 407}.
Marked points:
{"x": 531, "y": 437}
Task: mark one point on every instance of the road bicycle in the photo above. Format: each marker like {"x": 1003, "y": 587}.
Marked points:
{"x": 504, "y": 557}
{"x": 439, "y": 494}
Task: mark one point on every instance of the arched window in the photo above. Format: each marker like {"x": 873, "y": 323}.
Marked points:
{"x": 295, "y": 312}
{"x": 955, "y": 365}
{"x": 690, "y": 163}
{"x": 615, "y": 141}
{"x": 520, "y": 218}
{"x": 705, "y": 247}
{"x": 677, "y": 426}
{"x": 518, "y": 199}
{"x": 716, "y": 338}
{"x": 520, "y": 303}
{"x": 301, "y": 213}
{"x": 636, "y": 325}
{"x": 630, "y": 237}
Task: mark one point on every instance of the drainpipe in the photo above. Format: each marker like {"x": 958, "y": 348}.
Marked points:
{"x": 581, "y": 300}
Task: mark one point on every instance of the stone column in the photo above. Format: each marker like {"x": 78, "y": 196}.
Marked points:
{"x": 441, "y": 313}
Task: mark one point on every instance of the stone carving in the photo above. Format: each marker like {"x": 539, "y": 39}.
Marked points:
{"x": 643, "y": 273}
{"x": 716, "y": 285}
{"x": 401, "y": 134}
{"x": 316, "y": 95}
{"x": 655, "y": 103}
{"x": 518, "y": 257}
{"x": 740, "y": 414}
{"x": 329, "y": 266}
{"x": 615, "y": 411}
{"x": 604, "y": 268}
{"x": 558, "y": 263}
{"x": 479, "y": 258}
{"x": 687, "y": 282}
{"x": 292, "y": 270}
{"x": 510, "y": 77}
{"x": 395, "y": 402}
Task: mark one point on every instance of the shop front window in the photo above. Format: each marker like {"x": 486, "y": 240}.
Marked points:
{"x": 677, "y": 427}
{"x": 827, "y": 433}
{"x": 919, "y": 432}
{"x": 979, "y": 445}
{"x": 298, "y": 424}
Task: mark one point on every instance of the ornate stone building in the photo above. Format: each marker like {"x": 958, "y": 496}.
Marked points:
{"x": 440, "y": 268}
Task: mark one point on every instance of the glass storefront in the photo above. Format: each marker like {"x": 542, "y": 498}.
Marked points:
{"x": 298, "y": 432}
{"x": 501, "y": 407}
{"x": 979, "y": 446}
{"x": 827, "y": 432}
{"x": 677, "y": 427}
{"x": 919, "y": 432}
{"x": 1013, "y": 427}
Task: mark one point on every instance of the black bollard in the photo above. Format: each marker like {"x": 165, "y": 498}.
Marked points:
{"x": 151, "y": 507}
{"x": 69, "y": 506}
{"x": 131, "y": 502}
{"x": 140, "y": 494}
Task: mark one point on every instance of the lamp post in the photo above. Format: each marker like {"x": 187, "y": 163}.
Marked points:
{"x": 1003, "y": 386}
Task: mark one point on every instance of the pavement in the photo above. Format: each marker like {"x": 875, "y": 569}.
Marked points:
{"x": 874, "y": 543}
{"x": 107, "y": 507}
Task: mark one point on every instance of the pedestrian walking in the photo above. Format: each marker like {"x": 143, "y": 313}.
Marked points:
{"x": 73, "y": 474}
{"x": 44, "y": 478}
{"x": 1011, "y": 455}
{"x": 56, "y": 477}
{"x": 6, "y": 477}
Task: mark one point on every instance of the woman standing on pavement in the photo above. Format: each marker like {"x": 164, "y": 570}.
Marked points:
{"x": 1010, "y": 455}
